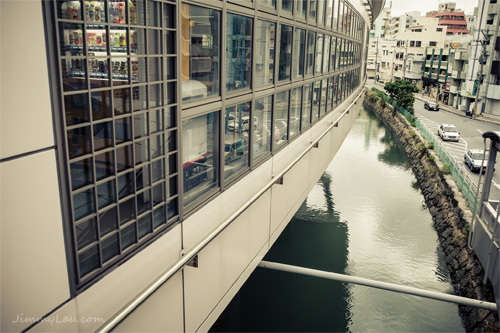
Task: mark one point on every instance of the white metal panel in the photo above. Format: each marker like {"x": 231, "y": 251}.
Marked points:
{"x": 223, "y": 261}
{"x": 34, "y": 276}
{"x": 25, "y": 107}
{"x": 162, "y": 312}
{"x": 115, "y": 290}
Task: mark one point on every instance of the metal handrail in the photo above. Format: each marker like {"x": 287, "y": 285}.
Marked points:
{"x": 380, "y": 285}
{"x": 117, "y": 318}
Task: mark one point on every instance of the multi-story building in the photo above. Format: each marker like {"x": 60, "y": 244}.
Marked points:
{"x": 483, "y": 77}
{"x": 452, "y": 18}
{"x": 152, "y": 151}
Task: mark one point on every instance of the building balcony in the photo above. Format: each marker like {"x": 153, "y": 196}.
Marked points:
{"x": 454, "y": 74}
{"x": 453, "y": 89}
{"x": 493, "y": 8}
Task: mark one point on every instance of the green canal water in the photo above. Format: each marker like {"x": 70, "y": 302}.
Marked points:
{"x": 365, "y": 217}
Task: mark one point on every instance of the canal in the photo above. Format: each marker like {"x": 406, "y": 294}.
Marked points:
{"x": 365, "y": 217}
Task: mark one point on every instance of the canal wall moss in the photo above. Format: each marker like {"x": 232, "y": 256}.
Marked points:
{"x": 450, "y": 215}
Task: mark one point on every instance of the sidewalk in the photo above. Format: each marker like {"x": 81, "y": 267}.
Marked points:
{"x": 485, "y": 117}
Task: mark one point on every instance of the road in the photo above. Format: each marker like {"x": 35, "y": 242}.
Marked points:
{"x": 470, "y": 135}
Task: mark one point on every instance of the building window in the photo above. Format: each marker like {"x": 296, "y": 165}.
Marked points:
{"x": 324, "y": 87}
{"x": 333, "y": 53}
{"x": 315, "y": 101}
{"x": 295, "y": 111}
{"x": 313, "y": 6}
{"x": 439, "y": 29}
{"x": 119, "y": 109}
{"x": 306, "y": 110}
{"x": 261, "y": 146}
{"x": 301, "y": 9}
{"x": 321, "y": 12}
{"x": 200, "y": 52}
{"x": 418, "y": 43}
{"x": 432, "y": 43}
{"x": 285, "y": 55}
{"x": 319, "y": 54}
{"x": 281, "y": 118}
{"x": 299, "y": 50}
{"x": 335, "y": 15}
{"x": 238, "y": 126}
{"x": 287, "y": 6}
{"x": 311, "y": 43}
{"x": 200, "y": 156}
{"x": 326, "y": 55}
{"x": 329, "y": 14}
{"x": 268, "y": 3}
{"x": 412, "y": 43}
{"x": 238, "y": 52}
{"x": 265, "y": 46}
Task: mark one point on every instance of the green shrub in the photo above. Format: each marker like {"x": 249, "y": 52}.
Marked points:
{"x": 431, "y": 145}
{"x": 445, "y": 170}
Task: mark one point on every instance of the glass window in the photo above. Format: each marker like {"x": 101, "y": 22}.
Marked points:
{"x": 323, "y": 96}
{"x": 200, "y": 156}
{"x": 267, "y": 3}
{"x": 326, "y": 55}
{"x": 264, "y": 54}
{"x": 262, "y": 132}
{"x": 285, "y": 56}
{"x": 329, "y": 102}
{"x": 306, "y": 110}
{"x": 316, "y": 101}
{"x": 335, "y": 14}
{"x": 321, "y": 12}
{"x": 287, "y": 6}
{"x": 200, "y": 52}
{"x": 299, "y": 50}
{"x": 329, "y": 8}
{"x": 319, "y": 54}
{"x": 313, "y": 5}
{"x": 295, "y": 108}
{"x": 238, "y": 52}
{"x": 281, "y": 118}
{"x": 333, "y": 53}
{"x": 236, "y": 135}
{"x": 301, "y": 8}
{"x": 335, "y": 91}
{"x": 311, "y": 43}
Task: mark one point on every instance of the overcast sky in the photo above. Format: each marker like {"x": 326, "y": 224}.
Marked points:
{"x": 399, "y": 7}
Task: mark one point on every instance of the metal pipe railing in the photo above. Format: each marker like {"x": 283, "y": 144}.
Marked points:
{"x": 117, "y": 318}
{"x": 380, "y": 285}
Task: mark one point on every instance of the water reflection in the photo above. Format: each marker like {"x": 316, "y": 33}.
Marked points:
{"x": 364, "y": 218}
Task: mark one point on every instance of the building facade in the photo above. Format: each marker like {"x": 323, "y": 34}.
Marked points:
{"x": 163, "y": 147}
{"x": 452, "y": 18}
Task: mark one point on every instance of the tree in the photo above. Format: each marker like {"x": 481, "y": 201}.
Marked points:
{"x": 402, "y": 91}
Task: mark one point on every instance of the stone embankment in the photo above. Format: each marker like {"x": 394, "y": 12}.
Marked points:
{"x": 451, "y": 218}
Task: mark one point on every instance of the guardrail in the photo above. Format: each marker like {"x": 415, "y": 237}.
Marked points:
{"x": 464, "y": 182}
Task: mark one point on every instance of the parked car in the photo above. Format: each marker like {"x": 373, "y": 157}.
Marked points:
{"x": 429, "y": 105}
{"x": 474, "y": 157}
{"x": 448, "y": 132}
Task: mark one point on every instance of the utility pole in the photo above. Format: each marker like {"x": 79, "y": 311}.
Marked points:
{"x": 376, "y": 63}
{"x": 482, "y": 61}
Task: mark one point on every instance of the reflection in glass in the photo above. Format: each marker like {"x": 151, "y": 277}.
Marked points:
{"x": 319, "y": 54}
{"x": 128, "y": 236}
{"x": 143, "y": 202}
{"x": 306, "y": 111}
{"x": 285, "y": 55}
{"x": 127, "y": 211}
{"x": 236, "y": 135}
{"x": 141, "y": 151}
{"x": 333, "y": 53}
{"x": 326, "y": 55}
{"x": 157, "y": 170}
{"x": 200, "y": 156}
{"x": 158, "y": 194}
{"x": 142, "y": 178}
{"x": 264, "y": 54}
{"x": 299, "y": 51}
{"x": 238, "y": 52}
{"x": 281, "y": 118}
{"x": 110, "y": 247}
{"x": 77, "y": 109}
{"x": 301, "y": 8}
{"x": 329, "y": 5}
{"x": 83, "y": 204}
{"x": 98, "y": 72}
{"x": 268, "y": 3}
{"x": 125, "y": 185}
{"x": 287, "y": 6}
{"x": 107, "y": 221}
{"x": 106, "y": 194}
{"x": 323, "y": 96}
{"x": 121, "y": 100}
{"x": 73, "y": 73}
{"x": 321, "y": 12}
{"x": 88, "y": 260}
{"x": 335, "y": 15}
{"x": 123, "y": 129}
{"x": 316, "y": 101}
{"x": 81, "y": 173}
{"x": 104, "y": 165}
{"x": 101, "y": 105}
{"x": 313, "y": 4}
{"x": 295, "y": 108}
{"x": 124, "y": 158}
{"x": 262, "y": 133}
{"x": 311, "y": 43}
{"x": 139, "y": 98}
{"x": 200, "y": 52}
{"x": 103, "y": 135}
{"x": 145, "y": 226}
{"x": 79, "y": 141}
{"x": 85, "y": 233}
{"x": 159, "y": 217}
